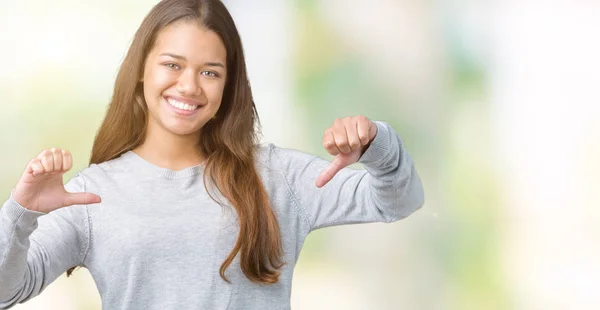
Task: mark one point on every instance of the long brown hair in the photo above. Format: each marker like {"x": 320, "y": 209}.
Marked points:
{"x": 229, "y": 140}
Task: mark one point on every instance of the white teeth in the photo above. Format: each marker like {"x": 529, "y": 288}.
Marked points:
{"x": 181, "y": 105}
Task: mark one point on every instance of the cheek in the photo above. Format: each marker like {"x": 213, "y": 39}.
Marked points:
{"x": 157, "y": 80}
{"x": 215, "y": 92}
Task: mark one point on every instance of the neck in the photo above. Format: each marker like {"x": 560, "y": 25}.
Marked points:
{"x": 170, "y": 151}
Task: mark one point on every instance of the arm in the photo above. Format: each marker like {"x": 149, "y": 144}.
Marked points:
{"x": 36, "y": 248}
{"x": 388, "y": 190}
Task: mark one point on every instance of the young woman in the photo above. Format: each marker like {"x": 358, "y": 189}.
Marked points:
{"x": 181, "y": 208}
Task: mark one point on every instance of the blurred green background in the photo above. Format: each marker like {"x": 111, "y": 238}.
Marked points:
{"x": 496, "y": 101}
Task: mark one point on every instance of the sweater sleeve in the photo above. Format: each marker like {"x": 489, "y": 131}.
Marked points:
{"x": 36, "y": 248}
{"x": 387, "y": 190}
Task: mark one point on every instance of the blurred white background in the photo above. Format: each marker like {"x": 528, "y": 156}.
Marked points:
{"x": 497, "y": 101}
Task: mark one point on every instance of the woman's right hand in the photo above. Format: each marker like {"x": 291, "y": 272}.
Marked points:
{"x": 41, "y": 185}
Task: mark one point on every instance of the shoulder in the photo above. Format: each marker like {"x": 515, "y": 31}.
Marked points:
{"x": 287, "y": 162}
{"x": 264, "y": 152}
{"x": 271, "y": 156}
{"x": 97, "y": 176}
{"x": 113, "y": 166}
{"x": 266, "y": 158}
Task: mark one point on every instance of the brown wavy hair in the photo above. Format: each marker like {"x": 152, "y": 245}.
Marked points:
{"x": 229, "y": 140}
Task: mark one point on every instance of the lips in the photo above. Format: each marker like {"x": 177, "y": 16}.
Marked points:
{"x": 181, "y": 106}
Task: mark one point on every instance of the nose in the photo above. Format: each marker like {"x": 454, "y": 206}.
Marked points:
{"x": 188, "y": 84}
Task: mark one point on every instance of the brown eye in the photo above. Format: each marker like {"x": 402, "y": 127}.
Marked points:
{"x": 172, "y": 66}
{"x": 210, "y": 73}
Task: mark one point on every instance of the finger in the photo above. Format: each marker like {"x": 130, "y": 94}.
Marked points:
{"x": 341, "y": 137}
{"x": 328, "y": 173}
{"x": 363, "y": 126}
{"x": 47, "y": 161}
{"x": 372, "y": 131}
{"x": 81, "y": 199}
{"x": 67, "y": 160}
{"x": 57, "y": 158}
{"x": 329, "y": 143}
{"x": 353, "y": 139}
{"x": 35, "y": 167}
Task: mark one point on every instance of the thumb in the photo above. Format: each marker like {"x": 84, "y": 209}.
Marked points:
{"x": 338, "y": 163}
{"x": 81, "y": 199}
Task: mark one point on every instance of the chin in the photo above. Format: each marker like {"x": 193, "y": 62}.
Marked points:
{"x": 183, "y": 130}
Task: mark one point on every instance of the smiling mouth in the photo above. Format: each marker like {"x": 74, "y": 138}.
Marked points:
{"x": 181, "y": 105}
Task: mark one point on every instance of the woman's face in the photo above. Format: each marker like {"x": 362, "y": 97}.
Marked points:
{"x": 184, "y": 78}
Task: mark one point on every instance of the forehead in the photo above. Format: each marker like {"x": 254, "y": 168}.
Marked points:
{"x": 191, "y": 40}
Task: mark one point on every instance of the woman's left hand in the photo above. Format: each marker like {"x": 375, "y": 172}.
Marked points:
{"x": 347, "y": 139}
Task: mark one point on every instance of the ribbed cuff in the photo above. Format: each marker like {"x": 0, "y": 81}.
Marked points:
{"x": 17, "y": 213}
{"x": 380, "y": 146}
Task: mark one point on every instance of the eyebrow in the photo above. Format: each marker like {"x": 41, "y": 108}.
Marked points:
{"x": 210, "y": 64}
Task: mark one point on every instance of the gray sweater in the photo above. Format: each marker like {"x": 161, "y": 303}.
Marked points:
{"x": 157, "y": 240}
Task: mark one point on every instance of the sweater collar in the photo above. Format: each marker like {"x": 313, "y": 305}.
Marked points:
{"x": 141, "y": 163}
